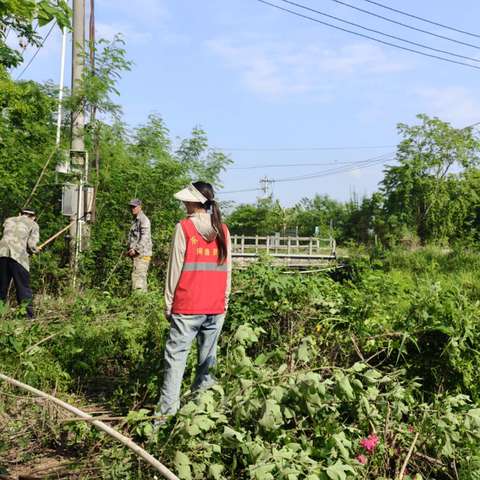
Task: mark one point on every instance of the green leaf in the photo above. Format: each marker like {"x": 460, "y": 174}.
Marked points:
{"x": 232, "y": 435}
{"x": 203, "y": 422}
{"x": 342, "y": 444}
{"x": 215, "y": 471}
{"x": 263, "y": 472}
{"x": 247, "y": 335}
{"x": 272, "y": 417}
{"x": 359, "y": 367}
{"x": 339, "y": 470}
{"x": 182, "y": 464}
{"x": 344, "y": 385}
{"x": 304, "y": 353}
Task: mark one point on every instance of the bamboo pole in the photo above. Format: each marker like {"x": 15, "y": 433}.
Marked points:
{"x": 39, "y": 179}
{"x": 166, "y": 473}
{"x": 407, "y": 458}
{"x": 53, "y": 237}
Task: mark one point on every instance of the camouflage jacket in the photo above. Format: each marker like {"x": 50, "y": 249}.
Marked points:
{"x": 139, "y": 236}
{"x": 20, "y": 237}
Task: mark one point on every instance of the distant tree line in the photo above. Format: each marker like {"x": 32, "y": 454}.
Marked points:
{"x": 431, "y": 194}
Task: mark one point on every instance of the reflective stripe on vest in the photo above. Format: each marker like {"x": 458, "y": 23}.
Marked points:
{"x": 204, "y": 266}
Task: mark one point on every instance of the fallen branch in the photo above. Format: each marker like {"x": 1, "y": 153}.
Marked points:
{"x": 407, "y": 458}
{"x": 110, "y": 419}
{"x": 357, "y": 349}
{"x": 429, "y": 459}
{"x": 43, "y": 340}
{"x": 100, "y": 425}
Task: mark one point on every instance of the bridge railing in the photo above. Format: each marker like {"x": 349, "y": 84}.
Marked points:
{"x": 284, "y": 246}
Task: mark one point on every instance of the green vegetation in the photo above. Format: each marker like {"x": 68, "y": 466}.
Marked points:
{"x": 17, "y": 19}
{"x": 311, "y": 368}
{"x": 321, "y": 376}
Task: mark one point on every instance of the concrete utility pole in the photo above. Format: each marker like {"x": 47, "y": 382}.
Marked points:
{"x": 266, "y": 187}
{"x": 78, "y": 66}
{"x": 78, "y": 156}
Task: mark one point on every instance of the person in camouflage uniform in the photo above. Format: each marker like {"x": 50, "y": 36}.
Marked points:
{"x": 20, "y": 237}
{"x": 139, "y": 245}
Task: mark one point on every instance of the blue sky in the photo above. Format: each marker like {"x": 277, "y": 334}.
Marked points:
{"x": 257, "y": 79}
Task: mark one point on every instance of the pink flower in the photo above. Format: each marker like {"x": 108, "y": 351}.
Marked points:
{"x": 361, "y": 459}
{"x": 411, "y": 428}
{"x": 369, "y": 443}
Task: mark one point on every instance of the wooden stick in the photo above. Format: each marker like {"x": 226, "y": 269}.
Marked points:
{"x": 407, "y": 458}
{"x": 53, "y": 237}
{"x": 43, "y": 340}
{"x": 435, "y": 461}
{"x": 109, "y": 418}
{"x": 100, "y": 425}
{"x": 40, "y": 177}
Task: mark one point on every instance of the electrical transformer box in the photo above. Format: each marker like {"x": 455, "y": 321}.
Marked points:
{"x": 70, "y": 201}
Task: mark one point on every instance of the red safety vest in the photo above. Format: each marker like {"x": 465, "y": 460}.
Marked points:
{"x": 203, "y": 282}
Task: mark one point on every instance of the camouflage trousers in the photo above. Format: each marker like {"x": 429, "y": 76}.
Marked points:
{"x": 139, "y": 273}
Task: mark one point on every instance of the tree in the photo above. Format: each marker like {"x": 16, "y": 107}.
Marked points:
{"x": 265, "y": 218}
{"x": 202, "y": 162}
{"x": 321, "y": 211}
{"x": 18, "y": 17}
{"x": 27, "y": 136}
{"x": 364, "y": 219}
{"x": 418, "y": 190}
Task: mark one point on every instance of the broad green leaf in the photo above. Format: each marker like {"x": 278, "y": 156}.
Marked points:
{"x": 215, "y": 471}
{"x": 182, "y": 464}
{"x": 339, "y": 470}
{"x": 272, "y": 417}
{"x": 345, "y": 386}
{"x": 232, "y": 435}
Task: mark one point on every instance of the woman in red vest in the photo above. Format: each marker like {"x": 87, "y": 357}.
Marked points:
{"x": 196, "y": 292}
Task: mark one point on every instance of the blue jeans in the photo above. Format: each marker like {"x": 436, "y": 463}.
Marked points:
{"x": 183, "y": 330}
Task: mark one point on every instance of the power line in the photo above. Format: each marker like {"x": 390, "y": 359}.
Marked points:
{"x": 285, "y": 165}
{"x": 333, "y": 171}
{"x": 323, "y": 164}
{"x": 36, "y": 53}
{"x": 395, "y": 37}
{"x": 299, "y": 149}
{"x": 324, "y": 173}
{"x": 423, "y": 19}
{"x": 406, "y": 25}
{"x": 368, "y": 36}
{"x": 241, "y": 191}
{"x": 370, "y": 162}
{"x": 26, "y": 44}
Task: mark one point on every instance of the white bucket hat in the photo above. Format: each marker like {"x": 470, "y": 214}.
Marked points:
{"x": 191, "y": 194}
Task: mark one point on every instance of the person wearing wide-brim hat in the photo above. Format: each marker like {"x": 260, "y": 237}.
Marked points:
{"x": 20, "y": 238}
{"x": 197, "y": 288}
{"x": 139, "y": 245}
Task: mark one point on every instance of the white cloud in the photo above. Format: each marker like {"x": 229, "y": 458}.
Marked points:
{"x": 144, "y": 23}
{"x": 454, "y": 104}
{"x": 130, "y": 34}
{"x": 144, "y": 11}
{"x": 276, "y": 68}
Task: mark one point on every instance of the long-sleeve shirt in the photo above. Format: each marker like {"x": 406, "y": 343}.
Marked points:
{"x": 202, "y": 222}
{"x": 20, "y": 237}
{"x": 139, "y": 236}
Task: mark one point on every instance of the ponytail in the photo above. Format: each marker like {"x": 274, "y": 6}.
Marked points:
{"x": 218, "y": 226}
{"x": 207, "y": 191}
